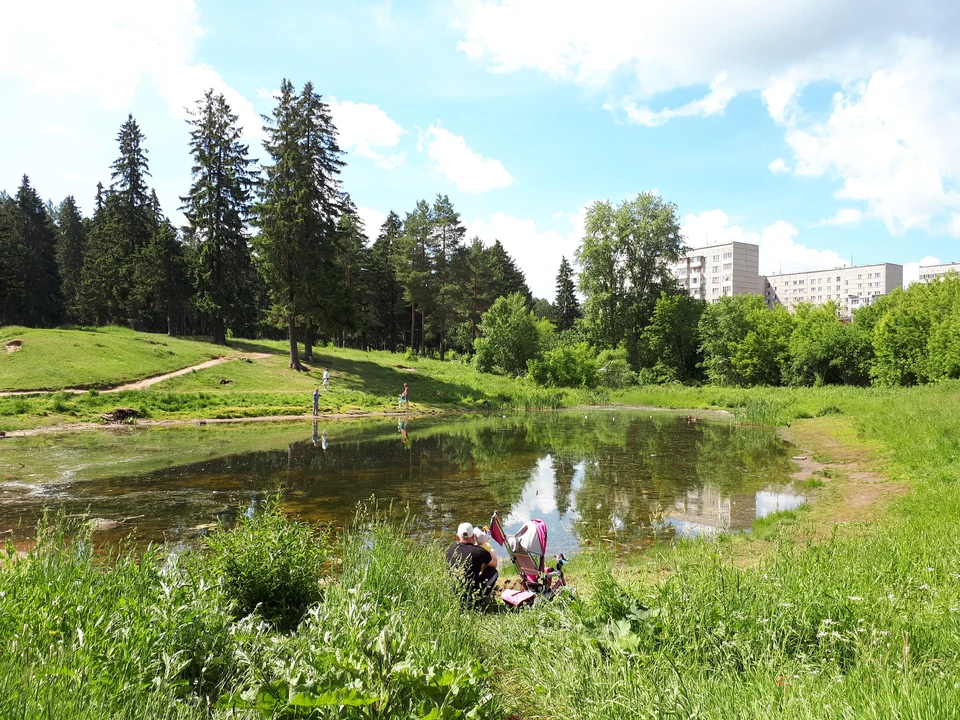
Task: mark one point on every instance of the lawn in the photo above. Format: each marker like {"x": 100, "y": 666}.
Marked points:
{"x": 249, "y": 387}
{"x": 93, "y": 357}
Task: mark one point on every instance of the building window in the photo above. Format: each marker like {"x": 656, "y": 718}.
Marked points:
{"x": 716, "y": 268}
{"x": 716, "y": 280}
{"x": 727, "y": 255}
{"x": 727, "y": 266}
{"x": 716, "y": 258}
{"x": 726, "y": 278}
{"x": 716, "y": 291}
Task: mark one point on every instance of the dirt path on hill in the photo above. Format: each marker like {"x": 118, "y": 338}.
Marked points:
{"x": 74, "y": 427}
{"x": 147, "y": 382}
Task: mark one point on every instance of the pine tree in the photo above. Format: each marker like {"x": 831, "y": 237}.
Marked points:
{"x": 474, "y": 266}
{"x": 124, "y": 225}
{"x": 387, "y": 290}
{"x": 415, "y": 266}
{"x": 299, "y": 208}
{"x": 70, "y": 249}
{"x": 507, "y": 277}
{"x": 217, "y": 209}
{"x": 30, "y": 283}
{"x": 447, "y": 239}
{"x": 162, "y": 282}
{"x": 566, "y": 307}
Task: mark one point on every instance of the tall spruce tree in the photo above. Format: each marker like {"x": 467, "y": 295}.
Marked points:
{"x": 507, "y": 277}
{"x": 29, "y": 282}
{"x": 162, "y": 280}
{"x": 299, "y": 208}
{"x": 217, "y": 210}
{"x": 475, "y": 274}
{"x": 566, "y": 307}
{"x": 387, "y": 290}
{"x": 122, "y": 229}
{"x": 70, "y": 250}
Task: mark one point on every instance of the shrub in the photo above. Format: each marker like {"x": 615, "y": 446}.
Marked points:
{"x": 565, "y": 366}
{"x": 614, "y": 371}
{"x": 270, "y": 564}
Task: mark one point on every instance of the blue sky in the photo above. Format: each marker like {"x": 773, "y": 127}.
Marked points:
{"x": 821, "y": 131}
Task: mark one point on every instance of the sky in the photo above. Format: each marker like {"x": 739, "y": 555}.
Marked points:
{"x": 824, "y": 131}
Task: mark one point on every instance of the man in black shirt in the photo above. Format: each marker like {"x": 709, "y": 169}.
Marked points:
{"x": 477, "y": 565}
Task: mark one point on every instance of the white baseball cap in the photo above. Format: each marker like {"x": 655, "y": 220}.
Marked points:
{"x": 465, "y": 530}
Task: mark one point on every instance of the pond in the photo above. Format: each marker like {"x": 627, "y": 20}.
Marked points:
{"x": 613, "y": 476}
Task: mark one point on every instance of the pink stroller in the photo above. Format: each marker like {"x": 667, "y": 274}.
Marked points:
{"x": 527, "y": 549}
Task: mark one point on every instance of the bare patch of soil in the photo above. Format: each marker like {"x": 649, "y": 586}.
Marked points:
{"x": 13, "y": 346}
{"x": 852, "y": 491}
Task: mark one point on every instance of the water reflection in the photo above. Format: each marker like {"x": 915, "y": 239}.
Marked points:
{"x": 608, "y": 477}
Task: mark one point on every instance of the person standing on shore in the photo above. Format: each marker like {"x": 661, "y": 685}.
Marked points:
{"x": 404, "y": 400}
{"x": 326, "y": 379}
{"x": 316, "y": 401}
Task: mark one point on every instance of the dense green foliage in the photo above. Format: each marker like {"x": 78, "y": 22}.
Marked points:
{"x": 512, "y": 336}
{"x": 135, "y": 636}
{"x": 623, "y": 259}
{"x": 269, "y": 565}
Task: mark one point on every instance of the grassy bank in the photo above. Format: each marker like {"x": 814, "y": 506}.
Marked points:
{"x": 360, "y": 381}
{"x": 862, "y": 623}
{"x": 36, "y": 359}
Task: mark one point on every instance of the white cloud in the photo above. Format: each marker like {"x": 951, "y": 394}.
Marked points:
{"x": 372, "y": 221}
{"x": 890, "y": 139}
{"x": 665, "y": 46}
{"x": 779, "y": 250}
{"x": 911, "y": 270}
{"x": 844, "y": 216}
{"x": 537, "y": 252}
{"x": 106, "y": 49}
{"x": 363, "y": 127}
{"x": 468, "y": 170}
{"x": 715, "y": 102}
{"x": 778, "y": 166}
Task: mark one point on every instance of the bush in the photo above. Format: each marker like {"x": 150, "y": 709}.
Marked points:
{"x": 565, "y": 366}
{"x": 614, "y": 371}
{"x": 270, "y": 565}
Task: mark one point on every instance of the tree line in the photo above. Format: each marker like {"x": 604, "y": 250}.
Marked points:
{"x": 639, "y": 326}
{"x": 276, "y": 248}
{"x": 268, "y": 248}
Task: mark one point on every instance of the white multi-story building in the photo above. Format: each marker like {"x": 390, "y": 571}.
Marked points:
{"x": 709, "y": 273}
{"x": 932, "y": 272}
{"x": 849, "y": 287}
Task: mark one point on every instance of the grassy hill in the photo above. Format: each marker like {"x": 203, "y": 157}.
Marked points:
{"x": 360, "y": 381}
{"x": 32, "y": 359}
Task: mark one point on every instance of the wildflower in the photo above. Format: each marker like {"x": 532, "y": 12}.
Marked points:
{"x": 782, "y": 681}
{"x": 924, "y": 587}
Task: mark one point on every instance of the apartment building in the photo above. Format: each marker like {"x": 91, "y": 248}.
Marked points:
{"x": 850, "y": 288}
{"x": 932, "y": 272}
{"x": 709, "y": 273}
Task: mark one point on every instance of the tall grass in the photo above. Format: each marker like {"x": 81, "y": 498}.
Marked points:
{"x": 135, "y": 635}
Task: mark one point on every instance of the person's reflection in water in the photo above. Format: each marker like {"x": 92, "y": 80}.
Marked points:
{"x": 252, "y": 508}
{"x": 316, "y": 436}
{"x": 402, "y": 429}
{"x": 323, "y": 440}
